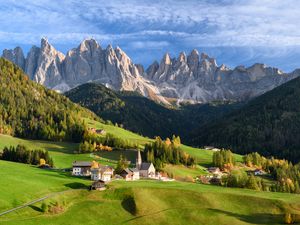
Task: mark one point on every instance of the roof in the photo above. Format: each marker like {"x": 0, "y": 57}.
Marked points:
{"x": 145, "y": 166}
{"x": 134, "y": 170}
{"x": 98, "y": 184}
{"x": 128, "y": 171}
{"x": 82, "y": 163}
{"x": 104, "y": 168}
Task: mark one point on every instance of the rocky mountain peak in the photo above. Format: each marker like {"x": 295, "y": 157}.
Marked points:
{"x": 16, "y": 55}
{"x": 181, "y": 57}
{"x": 166, "y": 60}
{"x": 89, "y": 44}
{"x": 192, "y": 78}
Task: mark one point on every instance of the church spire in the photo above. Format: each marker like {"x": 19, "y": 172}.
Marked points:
{"x": 138, "y": 163}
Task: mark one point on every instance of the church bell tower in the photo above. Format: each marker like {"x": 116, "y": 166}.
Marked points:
{"x": 138, "y": 162}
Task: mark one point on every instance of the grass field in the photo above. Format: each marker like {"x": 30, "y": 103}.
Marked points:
{"x": 21, "y": 183}
{"x": 154, "y": 202}
{"x": 63, "y": 153}
{"x": 119, "y": 132}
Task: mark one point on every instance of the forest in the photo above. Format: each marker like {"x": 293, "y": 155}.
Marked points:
{"x": 30, "y": 110}
{"x": 268, "y": 124}
{"x": 161, "y": 152}
{"x": 22, "y": 154}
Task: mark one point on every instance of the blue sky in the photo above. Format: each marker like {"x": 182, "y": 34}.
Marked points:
{"x": 234, "y": 31}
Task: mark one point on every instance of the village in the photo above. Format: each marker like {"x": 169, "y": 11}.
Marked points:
{"x": 103, "y": 174}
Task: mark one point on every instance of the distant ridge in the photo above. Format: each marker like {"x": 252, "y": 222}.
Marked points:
{"x": 194, "y": 78}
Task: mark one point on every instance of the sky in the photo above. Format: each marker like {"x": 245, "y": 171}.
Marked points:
{"x": 235, "y": 32}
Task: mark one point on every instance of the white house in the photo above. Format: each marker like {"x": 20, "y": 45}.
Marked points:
{"x": 146, "y": 169}
{"x": 104, "y": 173}
{"x": 81, "y": 168}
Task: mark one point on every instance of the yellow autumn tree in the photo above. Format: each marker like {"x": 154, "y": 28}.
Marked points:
{"x": 288, "y": 219}
{"x": 94, "y": 164}
{"x": 42, "y": 162}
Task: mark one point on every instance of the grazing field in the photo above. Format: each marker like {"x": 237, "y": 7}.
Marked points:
{"x": 21, "y": 183}
{"x": 119, "y": 132}
{"x": 63, "y": 153}
{"x": 154, "y": 202}
{"x": 181, "y": 172}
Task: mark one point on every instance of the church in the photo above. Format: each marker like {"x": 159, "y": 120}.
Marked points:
{"x": 146, "y": 169}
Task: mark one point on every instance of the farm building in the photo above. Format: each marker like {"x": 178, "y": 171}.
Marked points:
{"x": 104, "y": 173}
{"x": 98, "y": 185}
{"x": 130, "y": 174}
{"x": 81, "y": 168}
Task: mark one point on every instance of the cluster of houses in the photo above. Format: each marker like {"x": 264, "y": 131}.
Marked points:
{"x": 102, "y": 174}
{"x": 215, "y": 175}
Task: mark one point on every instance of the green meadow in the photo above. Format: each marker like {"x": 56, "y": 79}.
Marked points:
{"x": 138, "y": 202}
{"x": 155, "y": 202}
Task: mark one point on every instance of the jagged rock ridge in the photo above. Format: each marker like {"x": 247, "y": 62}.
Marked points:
{"x": 193, "y": 78}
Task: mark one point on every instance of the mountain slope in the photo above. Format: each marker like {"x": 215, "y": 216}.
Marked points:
{"x": 269, "y": 124}
{"x": 29, "y": 110}
{"x": 192, "y": 78}
{"x": 142, "y": 115}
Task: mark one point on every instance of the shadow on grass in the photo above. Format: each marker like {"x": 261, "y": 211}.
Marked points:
{"x": 256, "y": 218}
{"x": 129, "y": 205}
{"x": 76, "y": 185}
{"x": 35, "y": 208}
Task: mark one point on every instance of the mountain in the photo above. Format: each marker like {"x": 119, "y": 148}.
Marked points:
{"x": 198, "y": 78}
{"x": 269, "y": 124}
{"x": 194, "y": 78}
{"x": 30, "y": 110}
{"x": 144, "y": 116}
{"x": 88, "y": 62}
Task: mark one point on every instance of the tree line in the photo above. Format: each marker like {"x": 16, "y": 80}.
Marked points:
{"x": 93, "y": 142}
{"x": 223, "y": 159}
{"x": 285, "y": 173}
{"x": 161, "y": 152}
{"x": 30, "y": 110}
{"x": 22, "y": 154}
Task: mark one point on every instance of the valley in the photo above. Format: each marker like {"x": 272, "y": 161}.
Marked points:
{"x": 90, "y": 137}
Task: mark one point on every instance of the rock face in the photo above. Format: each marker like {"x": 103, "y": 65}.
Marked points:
{"x": 198, "y": 78}
{"x": 192, "y": 78}
{"x": 86, "y": 63}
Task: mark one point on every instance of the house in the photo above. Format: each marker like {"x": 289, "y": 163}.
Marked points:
{"x": 215, "y": 171}
{"x": 100, "y": 131}
{"x": 98, "y": 185}
{"x": 146, "y": 169}
{"x": 258, "y": 172}
{"x": 81, "y": 168}
{"x": 104, "y": 173}
{"x": 130, "y": 174}
{"x": 97, "y": 131}
{"x": 211, "y": 148}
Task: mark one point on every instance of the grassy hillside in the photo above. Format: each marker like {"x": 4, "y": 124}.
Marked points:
{"x": 269, "y": 124}
{"x": 158, "y": 203}
{"x": 63, "y": 152}
{"x": 21, "y": 183}
{"x": 143, "y": 116}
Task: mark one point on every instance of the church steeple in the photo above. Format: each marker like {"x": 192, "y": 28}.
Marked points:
{"x": 138, "y": 162}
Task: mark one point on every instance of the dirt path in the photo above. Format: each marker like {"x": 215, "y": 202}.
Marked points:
{"x": 33, "y": 202}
